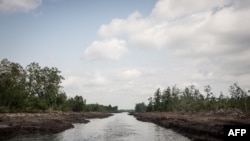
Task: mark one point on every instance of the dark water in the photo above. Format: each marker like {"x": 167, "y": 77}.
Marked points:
{"x": 120, "y": 127}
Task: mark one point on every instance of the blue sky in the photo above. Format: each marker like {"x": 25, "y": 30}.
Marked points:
{"x": 119, "y": 52}
{"x": 59, "y": 28}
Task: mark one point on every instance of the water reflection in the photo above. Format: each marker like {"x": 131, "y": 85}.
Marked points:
{"x": 120, "y": 127}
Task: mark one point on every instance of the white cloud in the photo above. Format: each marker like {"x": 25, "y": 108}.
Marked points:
{"x": 206, "y": 30}
{"x": 173, "y": 9}
{"x": 130, "y": 74}
{"x": 85, "y": 83}
{"x": 133, "y": 24}
{"x": 205, "y": 42}
{"x": 203, "y": 76}
{"x": 108, "y": 49}
{"x": 18, "y": 5}
{"x": 188, "y": 84}
{"x": 86, "y": 79}
{"x": 98, "y": 79}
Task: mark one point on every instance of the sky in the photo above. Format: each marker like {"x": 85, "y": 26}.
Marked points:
{"x": 119, "y": 52}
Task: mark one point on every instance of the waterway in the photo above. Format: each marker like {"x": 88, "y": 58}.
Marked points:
{"x": 119, "y": 127}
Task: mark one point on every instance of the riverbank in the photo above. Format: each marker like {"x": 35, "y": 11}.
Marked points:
{"x": 14, "y": 124}
{"x": 196, "y": 126}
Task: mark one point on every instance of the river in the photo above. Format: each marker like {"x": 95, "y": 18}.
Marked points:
{"x": 120, "y": 127}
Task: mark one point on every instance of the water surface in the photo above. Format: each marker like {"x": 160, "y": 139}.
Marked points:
{"x": 120, "y": 127}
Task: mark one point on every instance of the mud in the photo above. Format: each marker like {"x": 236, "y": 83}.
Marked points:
{"x": 196, "y": 126}
{"x": 15, "y": 124}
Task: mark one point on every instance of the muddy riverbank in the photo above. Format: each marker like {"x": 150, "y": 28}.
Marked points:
{"x": 196, "y": 126}
{"x": 15, "y": 124}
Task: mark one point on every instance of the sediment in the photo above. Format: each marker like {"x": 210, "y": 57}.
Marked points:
{"x": 14, "y": 124}
{"x": 196, "y": 126}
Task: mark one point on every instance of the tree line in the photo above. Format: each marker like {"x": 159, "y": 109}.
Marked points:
{"x": 35, "y": 89}
{"x": 191, "y": 99}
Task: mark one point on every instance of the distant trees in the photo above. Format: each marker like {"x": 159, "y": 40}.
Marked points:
{"x": 239, "y": 98}
{"x": 101, "y": 108}
{"x": 34, "y": 88}
{"x": 77, "y": 103}
{"x": 191, "y": 100}
{"x": 140, "y": 107}
{"x": 157, "y": 100}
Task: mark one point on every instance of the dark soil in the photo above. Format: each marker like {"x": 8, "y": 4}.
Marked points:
{"x": 196, "y": 126}
{"x": 15, "y": 124}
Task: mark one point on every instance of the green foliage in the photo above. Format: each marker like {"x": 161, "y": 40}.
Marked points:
{"x": 77, "y": 103}
{"x": 191, "y": 100}
{"x": 100, "y": 108}
{"x": 150, "y": 106}
{"x": 140, "y": 107}
{"x": 166, "y": 100}
{"x": 61, "y": 102}
{"x": 36, "y": 89}
{"x": 238, "y": 97}
{"x": 157, "y": 100}
{"x": 12, "y": 85}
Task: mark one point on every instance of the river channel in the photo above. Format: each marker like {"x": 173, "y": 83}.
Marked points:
{"x": 119, "y": 127}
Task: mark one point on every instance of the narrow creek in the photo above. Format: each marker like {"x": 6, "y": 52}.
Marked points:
{"x": 120, "y": 127}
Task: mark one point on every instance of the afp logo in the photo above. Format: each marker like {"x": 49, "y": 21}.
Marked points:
{"x": 237, "y": 132}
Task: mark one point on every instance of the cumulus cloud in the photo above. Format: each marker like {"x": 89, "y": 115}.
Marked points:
{"x": 18, "y": 5}
{"x": 213, "y": 32}
{"x": 98, "y": 79}
{"x": 87, "y": 79}
{"x": 170, "y": 10}
{"x": 205, "y": 42}
{"x": 107, "y": 49}
{"x": 133, "y": 24}
{"x": 85, "y": 83}
{"x": 130, "y": 74}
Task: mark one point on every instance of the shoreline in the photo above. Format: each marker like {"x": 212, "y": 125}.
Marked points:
{"x": 14, "y": 124}
{"x": 196, "y": 126}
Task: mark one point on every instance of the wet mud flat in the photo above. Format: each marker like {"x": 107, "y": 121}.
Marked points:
{"x": 14, "y": 124}
{"x": 196, "y": 126}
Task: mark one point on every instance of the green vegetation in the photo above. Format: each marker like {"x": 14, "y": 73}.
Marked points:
{"x": 35, "y": 89}
{"x": 140, "y": 107}
{"x": 191, "y": 100}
